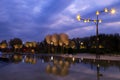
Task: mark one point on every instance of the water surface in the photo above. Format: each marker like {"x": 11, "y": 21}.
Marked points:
{"x": 30, "y": 67}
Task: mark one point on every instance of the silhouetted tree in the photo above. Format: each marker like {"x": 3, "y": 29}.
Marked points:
{"x": 15, "y": 42}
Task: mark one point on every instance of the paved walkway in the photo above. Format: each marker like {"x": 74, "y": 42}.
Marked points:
{"x": 93, "y": 56}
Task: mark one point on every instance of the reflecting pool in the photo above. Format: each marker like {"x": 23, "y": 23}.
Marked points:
{"x": 48, "y": 67}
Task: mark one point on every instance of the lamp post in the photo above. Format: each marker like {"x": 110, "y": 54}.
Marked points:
{"x": 96, "y": 21}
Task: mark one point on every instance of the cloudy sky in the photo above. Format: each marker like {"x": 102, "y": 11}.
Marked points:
{"x": 33, "y": 19}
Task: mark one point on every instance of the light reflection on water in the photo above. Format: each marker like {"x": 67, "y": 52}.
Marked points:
{"x": 57, "y": 68}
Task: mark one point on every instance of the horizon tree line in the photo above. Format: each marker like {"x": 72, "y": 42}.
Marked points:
{"x": 60, "y": 43}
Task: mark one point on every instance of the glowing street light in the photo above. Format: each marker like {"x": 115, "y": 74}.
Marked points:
{"x": 106, "y": 10}
{"x": 78, "y": 17}
{"x": 113, "y": 11}
{"x": 85, "y": 20}
{"x": 97, "y": 21}
{"x": 97, "y": 12}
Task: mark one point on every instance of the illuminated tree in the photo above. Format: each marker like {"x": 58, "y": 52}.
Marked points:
{"x": 57, "y": 40}
{"x": 4, "y": 45}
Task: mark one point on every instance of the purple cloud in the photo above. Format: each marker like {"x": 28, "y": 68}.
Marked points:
{"x": 28, "y": 18}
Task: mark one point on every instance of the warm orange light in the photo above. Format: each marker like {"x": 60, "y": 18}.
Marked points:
{"x": 78, "y": 17}
{"x": 97, "y": 12}
{"x": 85, "y": 20}
{"x": 105, "y": 10}
{"x": 73, "y": 59}
{"x": 112, "y": 11}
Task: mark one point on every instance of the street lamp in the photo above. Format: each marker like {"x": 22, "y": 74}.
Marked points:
{"x": 96, "y": 21}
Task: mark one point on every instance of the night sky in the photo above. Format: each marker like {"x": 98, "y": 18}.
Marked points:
{"x": 33, "y": 19}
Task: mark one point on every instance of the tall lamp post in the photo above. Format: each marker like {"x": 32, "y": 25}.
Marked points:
{"x": 96, "y": 21}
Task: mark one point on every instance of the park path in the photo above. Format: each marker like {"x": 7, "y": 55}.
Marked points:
{"x": 93, "y": 56}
